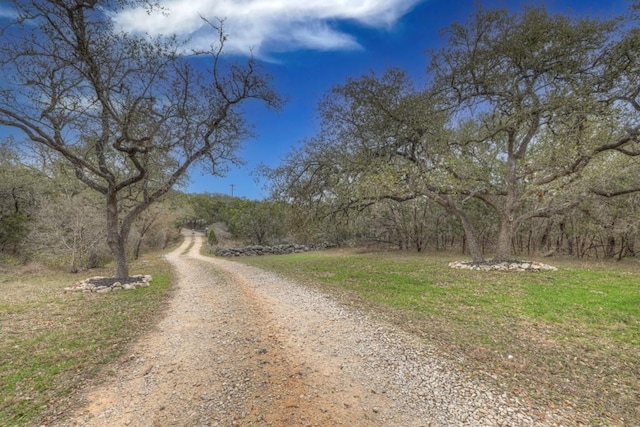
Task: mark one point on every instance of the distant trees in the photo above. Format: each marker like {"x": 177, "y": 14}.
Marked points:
{"x": 519, "y": 109}
{"x": 203, "y": 209}
{"x": 253, "y": 221}
{"x": 19, "y": 194}
{"x": 130, "y": 115}
{"x": 257, "y": 222}
{"x": 60, "y": 221}
{"x": 156, "y": 227}
{"x": 68, "y": 227}
{"x": 409, "y": 224}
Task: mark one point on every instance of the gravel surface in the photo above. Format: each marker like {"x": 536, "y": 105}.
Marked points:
{"x": 241, "y": 346}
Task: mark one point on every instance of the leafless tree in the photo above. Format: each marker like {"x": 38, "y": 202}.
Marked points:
{"x": 130, "y": 114}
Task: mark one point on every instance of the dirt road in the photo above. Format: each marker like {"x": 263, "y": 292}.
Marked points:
{"x": 241, "y": 346}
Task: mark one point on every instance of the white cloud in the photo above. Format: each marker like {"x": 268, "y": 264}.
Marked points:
{"x": 264, "y": 26}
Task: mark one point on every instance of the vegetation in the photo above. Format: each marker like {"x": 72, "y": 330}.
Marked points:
{"x": 573, "y": 335}
{"x": 50, "y": 217}
{"x": 54, "y": 342}
{"x": 128, "y": 114}
{"x": 524, "y": 142}
{"x": 211, "y": 238}
{"x": 251, "y": 221}
{"x": 529, "y": 120}
{"x": 19, "y": 189}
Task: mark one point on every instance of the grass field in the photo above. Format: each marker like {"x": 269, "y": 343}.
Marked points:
{"x": 569, "y": 338}
{"x": 573, "y": 335}
{"x": 52, "y": 342}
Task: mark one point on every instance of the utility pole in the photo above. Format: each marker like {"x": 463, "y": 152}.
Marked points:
{"x": 232, "y": 185}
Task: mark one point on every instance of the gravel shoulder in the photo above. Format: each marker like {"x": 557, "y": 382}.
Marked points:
{"x": 241, "y": 346}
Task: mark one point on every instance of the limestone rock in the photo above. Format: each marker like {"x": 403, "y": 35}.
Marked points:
{"x": 502, "y": 266}
{"x": 102, "y": 285}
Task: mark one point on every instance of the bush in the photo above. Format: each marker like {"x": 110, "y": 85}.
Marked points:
{"x": 13, "y": 230}
{"x": 212, "y": 239}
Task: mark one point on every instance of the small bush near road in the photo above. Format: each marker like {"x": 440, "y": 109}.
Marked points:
{"x": 564, "y": 338}
{"x": 52, "y": 342}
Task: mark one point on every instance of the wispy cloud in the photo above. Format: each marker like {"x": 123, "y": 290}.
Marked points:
{"x": 7, "y": 11}
{"x": 265, "y": 26}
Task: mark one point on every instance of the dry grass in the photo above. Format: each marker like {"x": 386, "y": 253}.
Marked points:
{"x": 52, "y": 342}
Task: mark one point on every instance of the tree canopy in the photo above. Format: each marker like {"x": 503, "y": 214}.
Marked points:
{"x": 517, "y": 106}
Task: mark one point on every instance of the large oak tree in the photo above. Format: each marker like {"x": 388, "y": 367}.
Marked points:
{"x": 130, "y": 114}
{"x": 517, "y": 106}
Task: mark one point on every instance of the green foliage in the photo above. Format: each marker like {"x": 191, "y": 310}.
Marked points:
{"x": 260, "y": 222}
{"x": 212, "y": 239}
{"x": 21, "y": 189}
{"x": 257, "y": 222}
{"x": 13, "y": 229}
{"x": 518, "y": 105}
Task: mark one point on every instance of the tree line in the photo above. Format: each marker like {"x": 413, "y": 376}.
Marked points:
{"x": 48, "y": 216}
{"x": 524, "y": 140}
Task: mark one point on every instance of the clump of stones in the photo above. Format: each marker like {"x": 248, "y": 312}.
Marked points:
{"x": 101, "y": 285}
{"x": 502, "y": 266}
{"x": 258, "y": 250}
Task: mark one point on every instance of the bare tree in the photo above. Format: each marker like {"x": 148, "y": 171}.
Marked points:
{"x": 130, "y": 115}
{"x": 68, "y": 229}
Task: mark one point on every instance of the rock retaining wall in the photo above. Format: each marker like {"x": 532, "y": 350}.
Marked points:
{"x": 258, "y": 250}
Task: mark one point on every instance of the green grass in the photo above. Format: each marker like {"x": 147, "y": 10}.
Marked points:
{"x": 603, "y": 301}
{"x": 52, "y": 342}
{"x": 574, "y": 333}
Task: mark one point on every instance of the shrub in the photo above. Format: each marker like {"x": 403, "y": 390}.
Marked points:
{"x": 212, "y": 239}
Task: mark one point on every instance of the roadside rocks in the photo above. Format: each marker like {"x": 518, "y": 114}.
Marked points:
{"x": 502, "y": 266}
{"x": 101, "y": 284}
{"x": 258, "y": 250}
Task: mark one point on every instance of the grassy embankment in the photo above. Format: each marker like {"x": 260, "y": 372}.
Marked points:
{"x": 573, "y": 335}
{"x": 52, "y": 342}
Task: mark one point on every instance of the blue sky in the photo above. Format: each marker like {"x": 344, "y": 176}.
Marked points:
{"x": 304, "y": 74}
{"x": 308, "y": 46}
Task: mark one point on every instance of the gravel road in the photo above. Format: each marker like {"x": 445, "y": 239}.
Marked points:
{"x": 241, "y": 346}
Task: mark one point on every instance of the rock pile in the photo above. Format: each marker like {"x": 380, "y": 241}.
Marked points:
{"x": 502, "y": 266}
{"x": 258, "y": 250}
{"x": 101, "y": 285}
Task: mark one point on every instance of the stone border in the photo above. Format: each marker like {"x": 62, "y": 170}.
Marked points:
{"x": 502, "y": 266}
{"x": 258, "y": 250}
{"x": 102, "y": 285}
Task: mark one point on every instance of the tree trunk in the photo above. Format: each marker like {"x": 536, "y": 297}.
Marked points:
{"x": 503, "y": 249}
{"x": 470, "y": 237}
{"x": 505, "y": 236}
{"x": 136, "y": 252}
{"x": 120, "y": 259}
{"x": 116, "y": 240}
